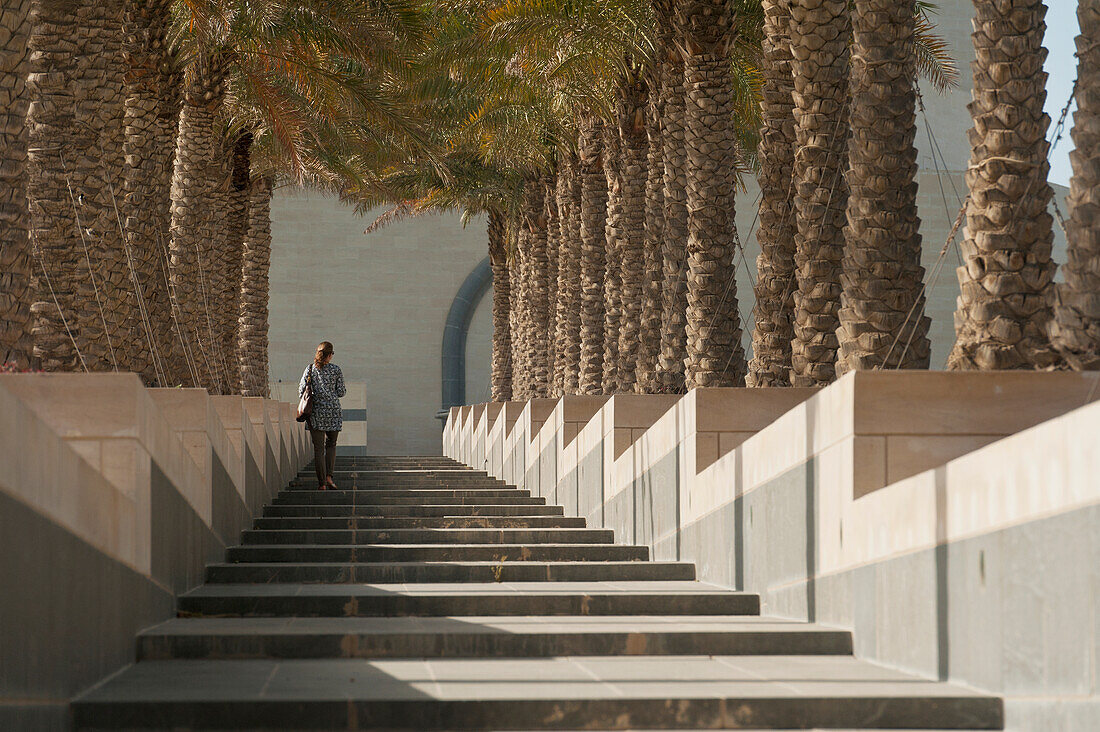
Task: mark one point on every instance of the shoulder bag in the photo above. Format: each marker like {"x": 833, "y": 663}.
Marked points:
{"x": 305, "y": 403}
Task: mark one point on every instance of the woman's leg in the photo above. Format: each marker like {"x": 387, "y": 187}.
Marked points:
{"x": 318, "y": 454}
{"x": 330, "y": 452}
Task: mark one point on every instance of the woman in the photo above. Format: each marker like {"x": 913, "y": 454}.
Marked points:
{"x": 327, "y": 382}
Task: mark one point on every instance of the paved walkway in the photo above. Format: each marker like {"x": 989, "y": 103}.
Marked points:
{"x": 426, "y": 595}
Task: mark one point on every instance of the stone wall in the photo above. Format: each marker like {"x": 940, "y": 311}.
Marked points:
{"x": 113, "y": 498}
{"x": 948, "y": 519}
{"x": 382, "y": 299}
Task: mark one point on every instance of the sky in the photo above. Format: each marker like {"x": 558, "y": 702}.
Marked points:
{"x": 1062, "y": 68}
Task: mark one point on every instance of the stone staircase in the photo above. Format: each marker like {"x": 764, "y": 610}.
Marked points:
{"x": 427, "y": 595}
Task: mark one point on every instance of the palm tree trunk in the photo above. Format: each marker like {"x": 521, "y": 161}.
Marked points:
{"x": 820, "y": 35}
{"x": 1077, "y": 312}
{"x": 123, "y": 305}
{"x": 633, "y": 95}
{"x": 151, "y": 110}
{"x": 670, "y": 363}
{"x": 521, "y": 328}
{"x": 593, "y": 255}
{"x": 231, "y": 259}
{"x": 567, "y": 363}
{"x": 502, "y": 336}
{"x": 553, "y": 253}
{"x": 715, "y": 356}
{"x": 256, "y": 263}
{"x": 882, "y": 320}
{"x": 649, "y": 338}
{"x": 1003, "y": 309}
{"x": 613, "y": 265}
{"x": 83, "y": 295}
{"x": 200, "y": 187}
{"x": 16, "y": 341}
{"x": 538, "y": 344}
{"x": 513, "y": 325}
{"x": 773, "y": 332}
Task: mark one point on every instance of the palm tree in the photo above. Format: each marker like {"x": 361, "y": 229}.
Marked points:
{"x": 882, "y": 321}
{"x": 714, "y": 353}
{"x": 593, "y": 255}
{"x": 1003, "y": 309}
{"x": 772, "y": 334}
{"x": 670, "y": 364}
{"x": 820, "y": 36}
{"x": 534, "y": 227}
{"x": 613, "y": 264}
{"x": 568, "y": 333}
{"x": 151, "y": 108}
{"x": 553, "y": 251}
{"x": 1077, "y": 312}
{"x": 200, "y": 188}
{"x": 16, "y": 343}
{"x": 502, "y": 342}
{"x": 632, "y": 98}
{"x": 230, "y": 259}
{"x": 82, "y": 288}
{"x": 649, "y": 336}
{"x": 256, "y": 261}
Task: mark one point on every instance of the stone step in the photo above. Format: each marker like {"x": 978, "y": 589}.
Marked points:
{"x": 414, "y": 474}
{"x": 453, "y": 572}
{"x": 411, "y": 492}
{"x": 578, "y": 692}
{"x": 436, "y": 553}
{"x": 428, "y": 536}
{"x": 321, "y": 510}
{"x": 486, "y": 637}
{"x": 441, "y": 522}
{"x": 397, "y": 478}
{"x": 365, "y": 498}
{"x": 489, "y": 599}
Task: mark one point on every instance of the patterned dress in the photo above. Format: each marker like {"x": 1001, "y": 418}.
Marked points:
{"x": 328, "y": 387}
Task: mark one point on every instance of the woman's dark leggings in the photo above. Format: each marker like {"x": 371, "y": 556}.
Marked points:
{"x": 324, "y": 453}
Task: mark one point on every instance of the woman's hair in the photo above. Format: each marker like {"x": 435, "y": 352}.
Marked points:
{"x": 324, "y": 350}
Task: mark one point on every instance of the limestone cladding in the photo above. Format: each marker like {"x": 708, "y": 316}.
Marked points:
{"x": 382, "y": 299}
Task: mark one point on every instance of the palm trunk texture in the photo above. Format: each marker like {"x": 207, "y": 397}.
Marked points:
{"x": 715, "y": 356}
{"x": 200, "y": 188}
{"x": 151, "y": 109}
{"x": 567, "y": 364}
{"x": 502, "y": 337}
{"x": 632, "y": 100}
{"x": 256, "y": 263}
{"x": 83, "y": 291}
{"x": 230, "y": 260}
{"x": 649, "y": 337}
{"x": 820, "y": 34}
{"x": 593, "y": 256}
{"x": 773, "y": 331}
{"x": 1077, "y": 312}
{"x": 1004, "y": 310}
{"x": 670, "y": 364}
{"x": 613, "y": 264}
{"x": 538, "y": 340}
{"x": 16, "y": 341}
{"x": 553, "y": 254}
{"x": 882, "y": 314}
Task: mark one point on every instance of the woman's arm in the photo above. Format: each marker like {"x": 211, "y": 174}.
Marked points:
{"x": 302, "y": 383}
{"x": 340, "y": 390}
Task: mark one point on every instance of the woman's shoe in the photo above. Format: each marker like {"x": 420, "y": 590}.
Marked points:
{"x": 322, "y": 487}
{"x": 329, "y": 482}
